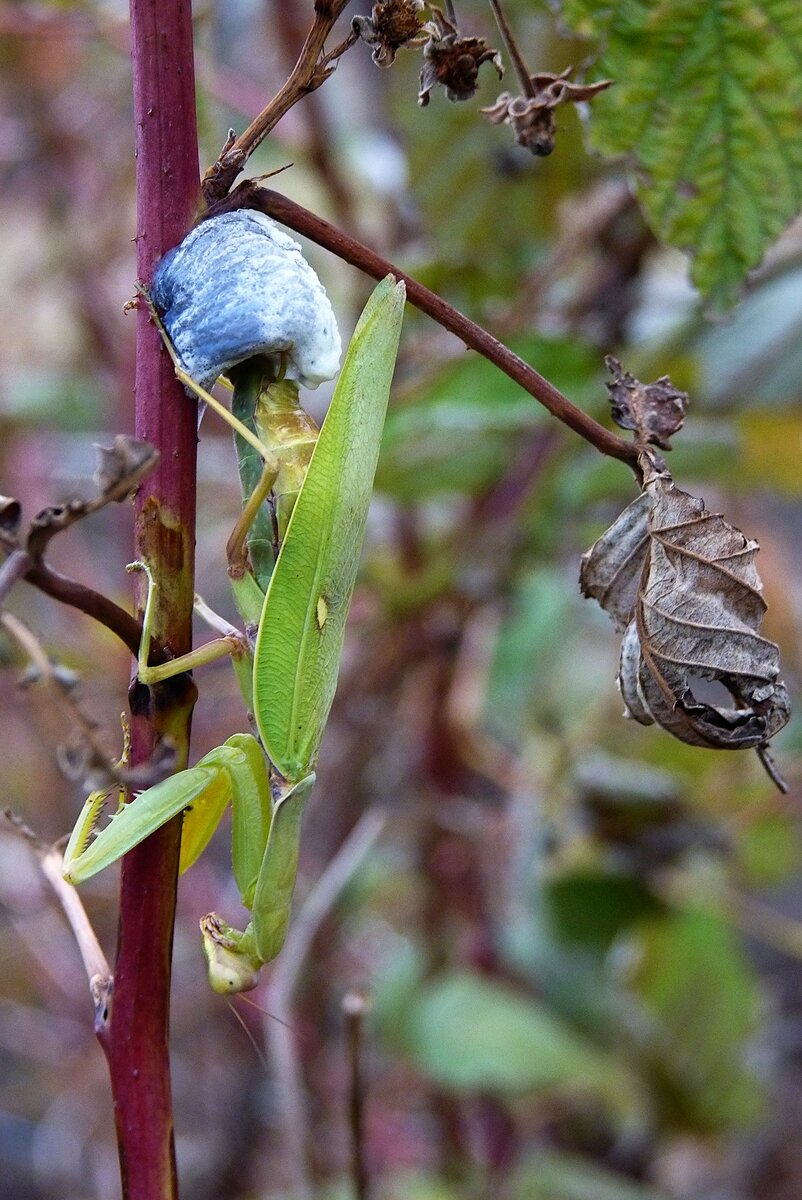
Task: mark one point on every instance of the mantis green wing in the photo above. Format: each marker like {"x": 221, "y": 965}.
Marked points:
{"x": 301, "y": 632}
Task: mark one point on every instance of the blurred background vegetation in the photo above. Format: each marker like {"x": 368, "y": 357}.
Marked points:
{"x": 580, "y": 941}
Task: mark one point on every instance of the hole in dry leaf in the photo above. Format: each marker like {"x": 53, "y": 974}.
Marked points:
{"x": 710, "y": 691}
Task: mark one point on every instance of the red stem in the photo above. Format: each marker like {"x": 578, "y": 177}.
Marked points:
{"x": 167, "y": 193}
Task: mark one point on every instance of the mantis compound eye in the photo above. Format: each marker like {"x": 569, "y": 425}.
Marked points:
{"x": 237, "y": 287}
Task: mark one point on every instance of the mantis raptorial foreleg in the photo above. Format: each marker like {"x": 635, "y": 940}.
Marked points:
{"x": 264, "y": 847}
{"x": 95, "y": 804}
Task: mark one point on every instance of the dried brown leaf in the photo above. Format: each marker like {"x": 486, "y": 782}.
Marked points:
{"x": 683, "y": 585}
{"x": 122, "y": 466}
{"x": 120, "y": 470}
{"x": 655, "y": 411}
{"x": 391, "y": 25}
{"x": 453, "y": 61}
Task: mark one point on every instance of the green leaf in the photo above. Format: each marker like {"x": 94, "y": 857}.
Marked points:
{"x": 590, "y": 908}
{"x": 297, "y": 655}
{"x": 566, "y": 1177}
{"x": 699, "y": 1006}
{"x": 706, "y": 102}
{"x": 473, "y": 1035}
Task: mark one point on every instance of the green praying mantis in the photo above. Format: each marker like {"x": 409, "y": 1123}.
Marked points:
{"x": 293, "y": 566}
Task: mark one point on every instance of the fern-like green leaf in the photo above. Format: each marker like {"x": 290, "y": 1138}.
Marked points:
{"x": 707, "y": 104}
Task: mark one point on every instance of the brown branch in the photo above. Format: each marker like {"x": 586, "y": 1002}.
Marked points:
{"x": 289, "y": 22}
{"x": 513, "y": 49}
{"x": 354, "y": 1009}
{"x": 121, "y": 468}
{"x": 98, "y": 972}
{"x": 94, "y": 604}
{"x": 21, "y": 564}
{"x": 310, "y": 71}
{"x": 249, "y": 195}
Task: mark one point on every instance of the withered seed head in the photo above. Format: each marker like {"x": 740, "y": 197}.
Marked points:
{"x": 453, "y": 61}
{"x": 532, "y": 117}
{"x": 391, "y": 24}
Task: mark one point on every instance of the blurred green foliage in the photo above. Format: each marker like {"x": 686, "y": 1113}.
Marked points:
{"x": 551, "y": 924}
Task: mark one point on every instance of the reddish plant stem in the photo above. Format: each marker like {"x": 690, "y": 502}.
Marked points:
{"x": 304, "y": 222}
{"x": 167, "y": 193}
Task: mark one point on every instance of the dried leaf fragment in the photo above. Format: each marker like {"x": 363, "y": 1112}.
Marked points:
{"x": 683, "y": 585}
{"x": 531, "y": 116}
{"x": 10, "y": 517}
{"x": 453, "y": 61}
{"x": 122, "y": 466}
{"x": 655, "y": 411}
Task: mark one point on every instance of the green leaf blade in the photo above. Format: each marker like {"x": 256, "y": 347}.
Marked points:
{"x": 301, "y": 633}
{"x": 706, "y": 103}
{"x": 474, "y": 1035}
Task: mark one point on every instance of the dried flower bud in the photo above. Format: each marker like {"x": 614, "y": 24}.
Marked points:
{"x": 453, "y": 61}
{"x": 237, "y": 287}
{"x": 532, "y": 117}
{"x": 391, "y": 25}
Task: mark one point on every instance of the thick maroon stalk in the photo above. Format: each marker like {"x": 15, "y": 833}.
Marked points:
{"x": 167, "y": 192}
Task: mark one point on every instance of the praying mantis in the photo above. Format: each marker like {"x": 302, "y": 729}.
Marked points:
{"x": 293, "y": 567}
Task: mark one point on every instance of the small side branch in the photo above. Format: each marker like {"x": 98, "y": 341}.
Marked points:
{"x": 513, "y": 49}
{"x": 121, "y": 468}
{"x": 98, "y": 972}
{"x": 354, "y": 1009}
{"x": 87, "y": 600}
{"x": 311, "y": 70}
{"x": 351, "y": 251}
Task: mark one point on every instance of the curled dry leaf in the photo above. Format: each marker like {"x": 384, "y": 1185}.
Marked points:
{"x": 120, "y": 470}
{"x": 122, "y": 466}
{"x": 655, "y": 411}
{"x": 682, "y": 585}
